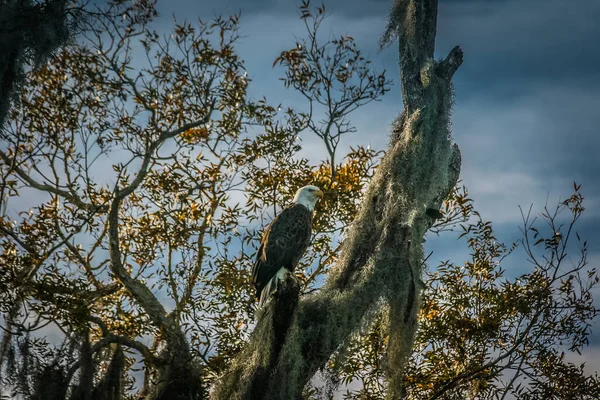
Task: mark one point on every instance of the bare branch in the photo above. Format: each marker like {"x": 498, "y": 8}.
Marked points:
{"x": 51, "y": 189}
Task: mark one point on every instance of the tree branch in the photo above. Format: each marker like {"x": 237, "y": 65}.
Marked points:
{"x": 140, "y": 292}
{"x": 165, "y": 135}
{"x": 449, "y": 66}
{"x": 469, "y": 374}
{"x": 146, "y": 299}
{"x": 51, "y": 189}
{"x": 122, "y": 340}
{"x": 193, "y": 278}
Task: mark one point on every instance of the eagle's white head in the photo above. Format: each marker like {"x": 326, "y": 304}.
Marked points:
{"x": 308, "y": 196}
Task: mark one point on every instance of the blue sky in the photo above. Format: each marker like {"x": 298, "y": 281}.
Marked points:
{"x": 527, "y": 112}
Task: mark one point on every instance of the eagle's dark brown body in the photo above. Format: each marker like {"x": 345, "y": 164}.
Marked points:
{"x": 282, "y": 246}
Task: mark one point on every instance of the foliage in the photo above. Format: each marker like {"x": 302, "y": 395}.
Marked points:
{"x": 487, "y": 332}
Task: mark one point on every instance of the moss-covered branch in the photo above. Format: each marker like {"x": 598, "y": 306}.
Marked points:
{"x": 382, "y": 256}
{"x": 253, "y": 378}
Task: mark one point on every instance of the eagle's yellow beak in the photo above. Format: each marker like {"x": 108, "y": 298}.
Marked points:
{"x": 319, "y": 194}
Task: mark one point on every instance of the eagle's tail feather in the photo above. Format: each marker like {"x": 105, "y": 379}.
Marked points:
{"x": 271, "y": 287}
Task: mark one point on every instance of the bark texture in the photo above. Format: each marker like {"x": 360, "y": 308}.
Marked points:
{"x": 382, "y": 257}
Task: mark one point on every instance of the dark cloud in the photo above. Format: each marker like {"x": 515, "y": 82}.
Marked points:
{"x": 347, "y": 8}
{"x": 507, "y": 43}
{"x": 524, "y": 42}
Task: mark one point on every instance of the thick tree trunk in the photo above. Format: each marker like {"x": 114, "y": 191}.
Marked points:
{"x": 382, "y": 257}
{"x": 178, "y": 376}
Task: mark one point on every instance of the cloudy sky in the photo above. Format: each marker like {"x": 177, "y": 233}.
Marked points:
{"x": 527, "y": 95}
{"x": 527, "y": 112}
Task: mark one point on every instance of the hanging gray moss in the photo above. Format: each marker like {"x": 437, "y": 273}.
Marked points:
{"x": 51, "y": 384}
{"x": 111, "y": 385}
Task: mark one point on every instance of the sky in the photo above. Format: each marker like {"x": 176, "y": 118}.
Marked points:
{"x": 527, "y": 109}
{"x": 526, "y": 96}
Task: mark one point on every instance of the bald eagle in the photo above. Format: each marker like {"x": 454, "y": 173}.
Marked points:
{"x": 284, "y": 242}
